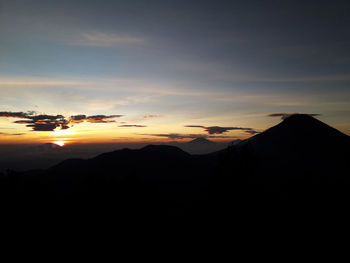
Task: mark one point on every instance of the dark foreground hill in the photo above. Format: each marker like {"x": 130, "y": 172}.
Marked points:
{"x": 298, "y": 167}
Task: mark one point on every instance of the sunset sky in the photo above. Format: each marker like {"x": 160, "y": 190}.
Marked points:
{"x": 124, "y": 71}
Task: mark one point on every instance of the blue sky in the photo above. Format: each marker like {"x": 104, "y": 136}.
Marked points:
{"x": 209, "y": 63}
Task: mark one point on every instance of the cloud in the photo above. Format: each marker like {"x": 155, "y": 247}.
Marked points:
{"x": 251, "y": 131}
{"x": 4, "y": 133}
{"x": 13, "y": 114}
{"x": 93, "y": 119}
{"x": 152, "y": 116}
{"x": 178, "y": 135}
{"x": 132, "y": 125}
{"x": 286, "y": 115}
{"x": 220, "y": 130}
{"x": 46, "y": 126}
{"x": 102, "y": 39}
{"x": 221, "y": 136}
{"x": 45, "y": 122}
{"x": 42, "y": 122}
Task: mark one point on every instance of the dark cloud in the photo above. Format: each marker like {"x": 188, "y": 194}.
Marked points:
{"x": 132, "y": 125}
{"x": 43, "y": 126}
{"x": 220, "y": 130}
{"x": 77, "y": 118}
{"x": 251, "y": 131}
{"x": 41, "y": 122}
{"x": 44, "y": 122}
{"x": 13, "y": 114}
{"x": 178, "y": 135}
{"x": 93, "y": 119}
{"x": 23, "y": 122}
{"x": 46, "y": 117}
{"x": 284, "y": 115}
{"x": 102, "y": 118}
{"x": 4, "y": 133}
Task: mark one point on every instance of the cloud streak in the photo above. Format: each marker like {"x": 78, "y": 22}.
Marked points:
{"x": 221, "y": 130}
{"x": 132, "y": 125}
{"x": 179, "y": 136}
{"x": 102, "y": 39}
{"x": 174, "y": 136}
{"x": 16, "y": 134}
{"x": 152, "y": 116}
{"x": 93, "y": 119}
{"x": 284, "y": 115}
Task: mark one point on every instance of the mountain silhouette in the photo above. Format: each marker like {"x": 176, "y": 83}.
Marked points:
{"x": 299, "y": 144}
{"x": 45, "y": 147}
{"x": 298, "y": 135}
{"x": 201, "y": 141}
{"x": 298, "y": 163}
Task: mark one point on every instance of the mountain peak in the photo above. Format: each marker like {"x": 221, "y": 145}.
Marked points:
{"x": 301, "y": 118}
{"x": 46, "y": 147}
{"x": 201, "y": 140}
{"x": 298, "y": 134}
{"x": 307, "y": 126}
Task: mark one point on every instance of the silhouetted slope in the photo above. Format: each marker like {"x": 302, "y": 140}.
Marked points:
{"x": 298, "y": 165}
{"x": 300, "y": 144}
{"x": 298, "y": 134}
{"x": 125, "y": 161}
{"x": 156, "y": 179}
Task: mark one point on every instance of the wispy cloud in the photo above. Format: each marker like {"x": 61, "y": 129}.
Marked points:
{"x": 16, "y": 134}
{"x": 152, "y": 116}
{"x": 30, "y": 81}
{"x": 220, "y": 130}
{"x": 93, "y": 118}
{"x": 284, "y": 115}
{"x": 132, "y": 126}
{"x": 102, "y": 39}
{"x": 180, "y": 136}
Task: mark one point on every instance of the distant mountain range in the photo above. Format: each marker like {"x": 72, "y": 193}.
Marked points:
{"x": 201, "y": 141}
{"x": 298, "y": 163}
{"x": 45, "y": 147}
{"x": 200, "y": 145}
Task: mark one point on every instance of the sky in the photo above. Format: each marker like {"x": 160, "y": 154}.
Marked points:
{"x": 123, "y": 71}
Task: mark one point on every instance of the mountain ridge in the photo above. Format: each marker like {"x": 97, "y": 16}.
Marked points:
{"x": 276, "y": 168}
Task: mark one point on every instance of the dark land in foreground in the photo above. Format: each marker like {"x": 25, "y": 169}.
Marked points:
{"x": 298, "y": 167}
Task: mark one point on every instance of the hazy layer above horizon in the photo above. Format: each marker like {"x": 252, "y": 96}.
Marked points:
{"x": 143, "y": 71}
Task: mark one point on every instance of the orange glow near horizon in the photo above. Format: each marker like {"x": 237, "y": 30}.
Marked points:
{"x": 60, "y": 143}
{"x": 112, "y": 132}
{"x": 60, "y": 132}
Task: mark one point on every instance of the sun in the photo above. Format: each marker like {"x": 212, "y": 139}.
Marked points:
{"x": 60, "y": 143}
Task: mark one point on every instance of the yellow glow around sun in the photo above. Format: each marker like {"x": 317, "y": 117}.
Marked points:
{"x": 60, "y": 143}
{"x": 61, "y": 132}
